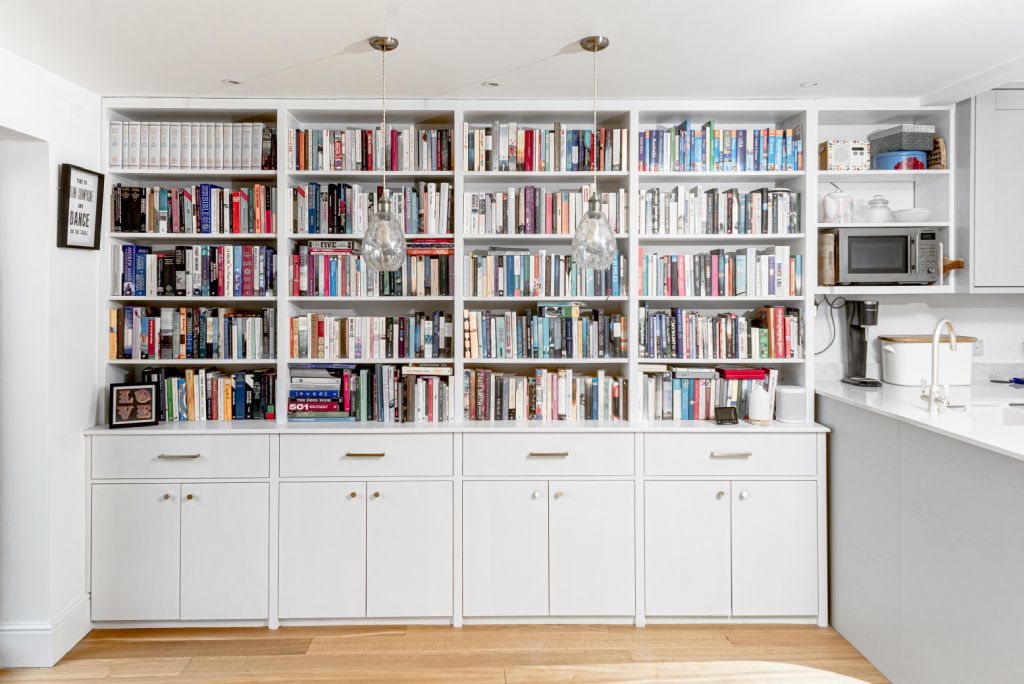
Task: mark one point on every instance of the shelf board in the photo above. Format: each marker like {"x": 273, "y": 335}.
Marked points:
{"x": 364, "y": 361}
{"x": 718, "y": 300}
{"x": 529, "y": 238}
{"x": 343, "y": 236}
{"x": 881, "y": 175}
{"x": 712, "y": 238}
{"x": 541, "y": 175}
{"x": 719, "y": 176}
{"x": 155, "y": 299}
{"x": 194, "y": 173}
{"x": 476, "y": 361}
{"x": 313, "y": 301}
{"x": 888, "y": 224}
{"x": 193, "y": 362}
{"x": 551, "y": 298}
{"x": 192, "y": 237}
{"x": 717, "y": 362}
{"x": 883, "y": 289}
{"x": 371, "y": 175}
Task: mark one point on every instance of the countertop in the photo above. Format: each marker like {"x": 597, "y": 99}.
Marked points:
{"x": 997, "y": 428}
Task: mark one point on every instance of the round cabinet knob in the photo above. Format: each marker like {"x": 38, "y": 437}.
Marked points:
{"x": 535, "y": 495}
{"x": 189, "y": 497}
{"x": 744, "y": 494}
{"x": 559, "y": 495}
{"x": 719, "y": 494}
{"x": 166, "y": 497}
{"x": 352, "y": 495}
{"x": 376, "y": 495}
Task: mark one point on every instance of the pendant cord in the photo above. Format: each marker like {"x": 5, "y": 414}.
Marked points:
{"x": 593, "y": 160}
{"x": 383, "y": 128}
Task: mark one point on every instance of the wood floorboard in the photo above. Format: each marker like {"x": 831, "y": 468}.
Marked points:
{"x": 484, "y": 653}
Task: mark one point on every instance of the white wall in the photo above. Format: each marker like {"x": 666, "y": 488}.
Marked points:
{"x": 48, "y": 296}
{"x": 998, "y": 320}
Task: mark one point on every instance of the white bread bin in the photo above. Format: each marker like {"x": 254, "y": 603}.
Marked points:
{"x": 907, "y": 359}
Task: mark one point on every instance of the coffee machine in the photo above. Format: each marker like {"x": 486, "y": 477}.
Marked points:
{"x": 860, "y": 316}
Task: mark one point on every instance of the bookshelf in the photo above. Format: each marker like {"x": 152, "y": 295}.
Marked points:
{"x": 817, "y": 121}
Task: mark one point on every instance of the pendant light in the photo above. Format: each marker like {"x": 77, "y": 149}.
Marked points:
{"x": 593, "y": 246}
{"x": 384, "y": 241}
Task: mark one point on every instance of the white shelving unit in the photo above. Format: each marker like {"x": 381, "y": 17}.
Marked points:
{"x": 819, "y": 120}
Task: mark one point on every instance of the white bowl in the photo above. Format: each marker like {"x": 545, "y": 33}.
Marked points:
{"x": 911, "y": 215}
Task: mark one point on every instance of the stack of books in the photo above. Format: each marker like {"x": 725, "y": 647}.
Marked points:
{"x": 553, "y": 331}
{"x": 504, "y": 272}
{"x": 695, "y": 211}
{"x": 197, "y": 209}
{"x": 547, "y": 394}
{"x": 207, "y": 394}
{"x": 769, "y": 333}
{"x": 344, "y": 209}
{"x": 193, "y": 145}
{"x": 534, "y": 211}
{"x": 194, "y": 271}
{"x": 515, "y": 147}
{"x": 712, "y": 149}
{"x": 192, "y": 333}
{"x": 365, "y": 149}
{"x": 385, "y": 393}
{"x": 751, "y": 272}
{"x": 694, "y": 393}
{"x": 417, "y": 335}
{"x": 334, "y": 268}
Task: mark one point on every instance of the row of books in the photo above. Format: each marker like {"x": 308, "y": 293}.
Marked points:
{"x": 694, "y": 393}
{"x": 344, "y": 209}
{"x": 196, "y": 209}
{"x": 192, "y": 333}
{"x": 385, "y": 393}
{"x": 194, "y": 145}
{"x": 547, "y": 394}
{"x": 194, "y": 271}
{"x": 200, "y": 394}
{"x": 696, "y": 211}
{"x": 687, "y": 148}
{"x": 553, "y": 331}
{"x": 417, "y": 335}
{"x": 768, "y": 333}
{"x": 535, "y": 211}
{"x": 333, "y": 268}
{"x": 750, "y": 272}
{"x": 365, "y": 149}
{"x": 510, "y": 146}
{"x": 501, "y": 272}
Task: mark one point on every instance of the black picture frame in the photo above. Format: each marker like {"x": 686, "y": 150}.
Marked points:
{"x": 72, "y": 177}
{"x": 126, "y": 409}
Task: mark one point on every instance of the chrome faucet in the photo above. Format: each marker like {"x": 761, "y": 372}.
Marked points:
{"x": 938, "y": 397}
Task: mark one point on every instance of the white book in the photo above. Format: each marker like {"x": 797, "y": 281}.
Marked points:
{"x": 218, "y": 146}
{"x": 116, "y": 157}
{"x": 174, "y": 146}
{"x": 154, "y": 145}
{"x": 236, "y": 147}
{"x": 195, "y": 154}
{"x": 204, "y": 146}
{"x": 256, "y": 153}
{"x": 134, "y": 145}
{"x": 246, "y": 146}
{"x": 143, "y": 145}
{"x": 186, "y": 145}
{"x": 165, "y": 145}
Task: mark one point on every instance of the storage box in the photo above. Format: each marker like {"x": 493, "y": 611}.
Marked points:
{"x": 903, "y": 160}
{"x": 844, "y": 155}
{"x": 903, "y": 137}
{"x": 907, "y": 360}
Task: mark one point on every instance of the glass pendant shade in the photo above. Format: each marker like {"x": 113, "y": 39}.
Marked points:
{"x": 384, "y": 242}
{"x": 593, "y": 246}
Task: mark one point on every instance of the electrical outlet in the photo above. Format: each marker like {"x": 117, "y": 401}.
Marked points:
{"x": 979, "y": 347}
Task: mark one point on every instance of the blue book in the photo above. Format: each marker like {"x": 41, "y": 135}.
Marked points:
{"x": 237, "y": 276}
{"x": 140, "y": 269}
{"x": 239, "y": 410}
{"x": 313, "y": 394}
{"x": 205, "y": 223}
{"x": 741, "y": 150}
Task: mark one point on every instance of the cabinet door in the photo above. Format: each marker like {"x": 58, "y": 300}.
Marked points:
{"x": 225, "y": 560}
{"x": 322, "y": 542}
{"x": 135, "y": 551}
{"x": 505, "y": 548}
{"x": 409, "y": 569}
{"x": 591, "y": 548}
{"x": 687, "y": 547}
{"x": 998, "y": 202}
{"x": 774, "y": 548}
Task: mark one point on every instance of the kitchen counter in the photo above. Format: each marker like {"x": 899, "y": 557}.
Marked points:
{"x": 997, "y": 428}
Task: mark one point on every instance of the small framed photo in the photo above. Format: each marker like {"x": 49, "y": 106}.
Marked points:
{"x": 133, "y": 404}
{"x": 79, "y": 207}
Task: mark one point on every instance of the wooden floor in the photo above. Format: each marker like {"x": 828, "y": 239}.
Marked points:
{"x": 727, "y": 653}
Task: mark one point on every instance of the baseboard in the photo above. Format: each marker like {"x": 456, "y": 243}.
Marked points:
{"x": 42, "y": 644}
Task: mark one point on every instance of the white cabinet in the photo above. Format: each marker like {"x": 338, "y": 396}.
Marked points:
{"x": 548, "y": 548}
{"x": 505, "y": 548}
{"x": 196, "y": 551}
{"x": 591, "y": 540}
{"x": 225, "y": 551}
{"x": 687, "y": 533}
{"x": 322, "y": 549}
{"x": 774, "y": 548}
{"x": 409, "y": 549}
{"x": 135, "y": 551}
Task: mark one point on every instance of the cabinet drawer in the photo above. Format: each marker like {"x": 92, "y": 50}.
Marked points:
{"x": 728, "y": 454}
{"x": 366, "y": 455}
{"x": 178, "y": 456}
{"x": 547, "y": 454}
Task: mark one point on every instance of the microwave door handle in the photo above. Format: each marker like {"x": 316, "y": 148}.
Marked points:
{"x": 913, "y": 256}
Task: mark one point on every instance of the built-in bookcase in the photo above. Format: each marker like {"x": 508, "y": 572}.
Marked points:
{"x": 814, "y": 123}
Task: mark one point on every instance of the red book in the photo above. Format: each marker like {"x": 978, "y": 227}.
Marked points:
{"x": 247, "y": 270}
{"x": 339, "y": 149}
{"x": 313, "y": 406}
{"x": 393, "y": 152}
{"x": 346, "y": 379}
{"x": 368, "y": 150}
{"x": 236, "y": 201}
{"x": 743, "y": 373}
{"x": 295, "y": 275}
{"x": 779, "y": 328}
{"x": 528, "y": 152}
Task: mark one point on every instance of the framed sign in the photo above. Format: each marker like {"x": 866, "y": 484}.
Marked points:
{"x": 133, "y": 404}
{"x": 79, "y": 207}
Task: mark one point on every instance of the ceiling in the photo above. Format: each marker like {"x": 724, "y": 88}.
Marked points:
{"x": 659, "y": 48}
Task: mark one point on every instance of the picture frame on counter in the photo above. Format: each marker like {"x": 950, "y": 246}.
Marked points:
{"x": 133, "y": 404}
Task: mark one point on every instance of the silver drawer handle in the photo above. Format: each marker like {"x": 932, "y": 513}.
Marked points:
{"x": 731, "y": 454}
{"x": 178, "y": 457}
{"x": 549, "y": 454}
{"x": 362, "y": 454}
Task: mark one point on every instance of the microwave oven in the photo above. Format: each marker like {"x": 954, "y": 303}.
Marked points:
{"x": 887, "y": 256}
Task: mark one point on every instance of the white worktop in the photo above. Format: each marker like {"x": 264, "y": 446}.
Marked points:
{"x": 975, "y": 425}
